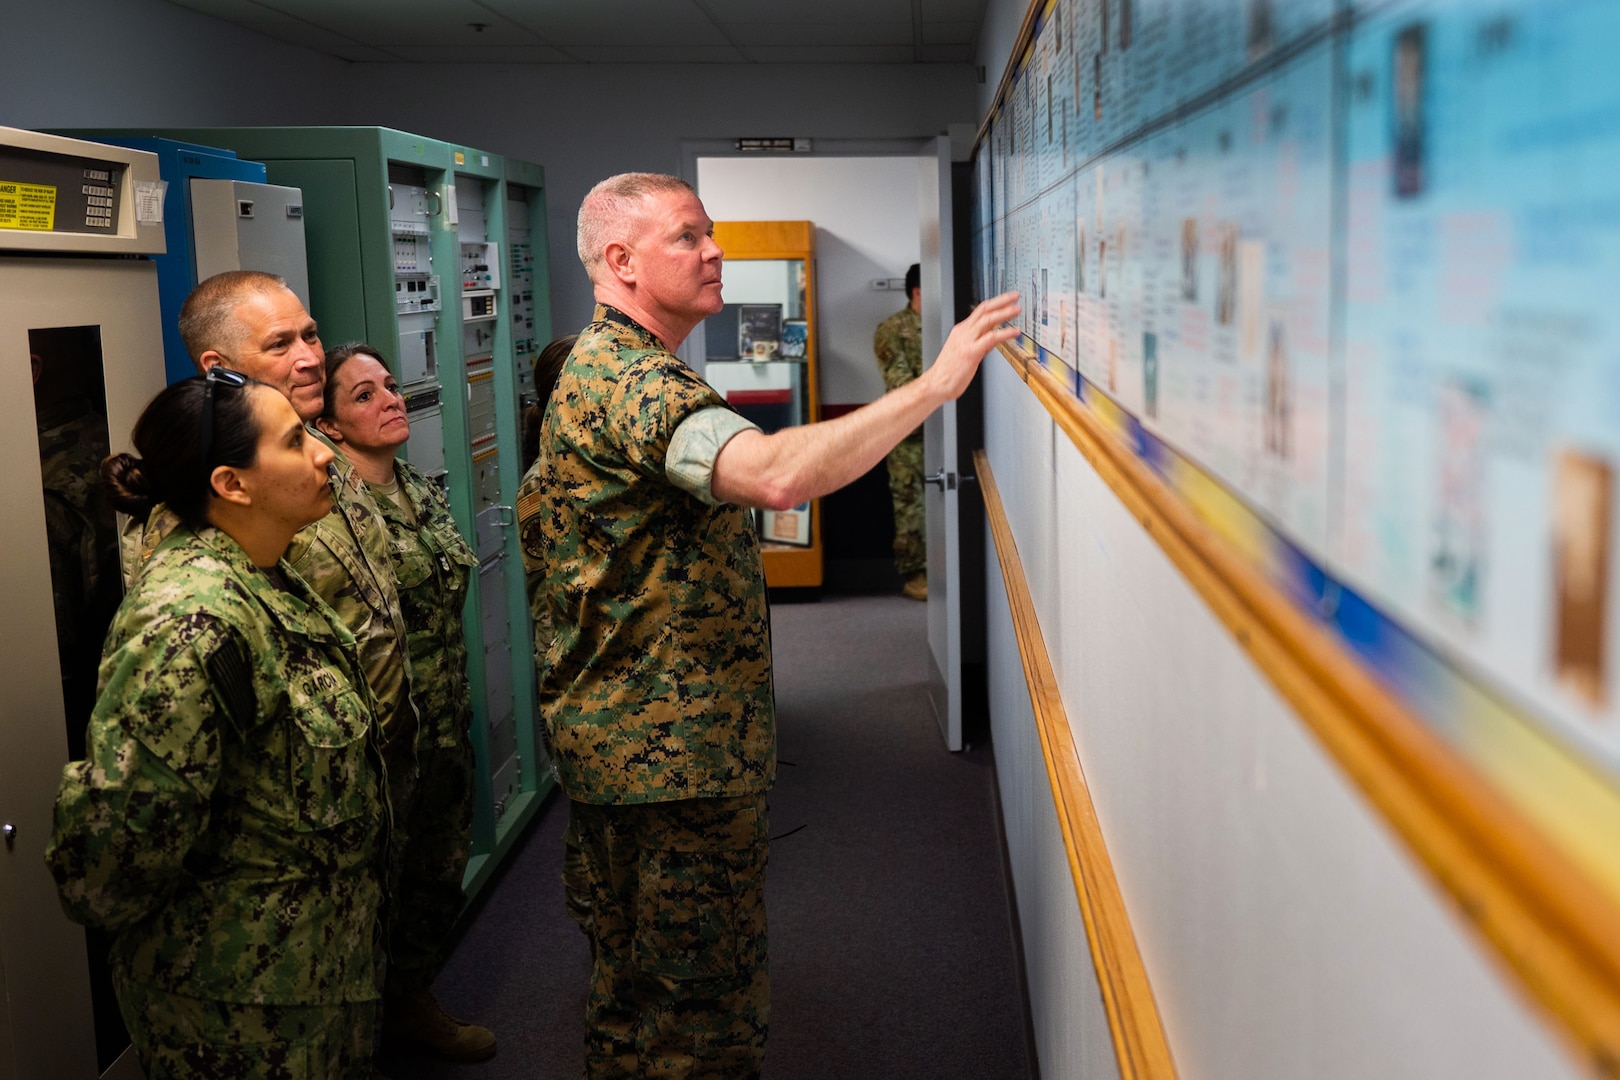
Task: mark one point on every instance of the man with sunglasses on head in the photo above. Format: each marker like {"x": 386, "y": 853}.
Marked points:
{"x": 251, "y": 322}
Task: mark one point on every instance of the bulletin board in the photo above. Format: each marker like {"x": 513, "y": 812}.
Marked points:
{"x": 1339, "y": 275}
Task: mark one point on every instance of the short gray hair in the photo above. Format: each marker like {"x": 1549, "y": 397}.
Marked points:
{"x": 608, "y": 208}
{"x": 208, "y": 317}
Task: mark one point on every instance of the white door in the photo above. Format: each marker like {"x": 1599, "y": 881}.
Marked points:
{"x": 96, "y": 320}
{"x": 940, "y": 492}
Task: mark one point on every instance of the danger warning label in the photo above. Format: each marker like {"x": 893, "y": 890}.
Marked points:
{"x": 27, "y": 206}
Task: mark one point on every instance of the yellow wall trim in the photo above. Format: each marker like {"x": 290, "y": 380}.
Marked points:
{"x": 1548, "y": 924}
{"x": 1133, "y": 1015}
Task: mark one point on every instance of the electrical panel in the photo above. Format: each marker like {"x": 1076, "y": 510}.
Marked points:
{"x": 520, "y": 296}
{"x": 83, "y": 354}
{"x": 241, "y": 225}
{"x": 504, "y": 752}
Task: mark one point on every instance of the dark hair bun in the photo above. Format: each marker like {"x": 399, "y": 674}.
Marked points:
{"x": 128, "y": 486}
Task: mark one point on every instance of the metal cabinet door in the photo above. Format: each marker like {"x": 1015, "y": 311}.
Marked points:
{"x": 47, "y": 1026}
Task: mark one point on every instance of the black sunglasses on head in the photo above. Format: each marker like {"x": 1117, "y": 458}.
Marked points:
{"x": 215, "y": 376}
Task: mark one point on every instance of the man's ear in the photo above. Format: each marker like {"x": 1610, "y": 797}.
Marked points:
{"x": 227, "y": 484}
{"x": 620, "y": 262}
{"x": 325, "y": 427}
{"x": 208, "y": 360}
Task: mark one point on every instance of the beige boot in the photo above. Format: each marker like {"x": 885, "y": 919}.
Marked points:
{"x": 916, "y": 587}
{"x": 416, "y": 1020}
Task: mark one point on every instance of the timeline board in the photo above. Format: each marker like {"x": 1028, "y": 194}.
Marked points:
{"x": 1352, "y": 263}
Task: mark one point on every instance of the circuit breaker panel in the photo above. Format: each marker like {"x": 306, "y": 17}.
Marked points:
{"x": 530, "y": 285}
{"x": 520, "y": 248}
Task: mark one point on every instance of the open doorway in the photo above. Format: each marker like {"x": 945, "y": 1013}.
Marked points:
{"x": 867, "y": 232}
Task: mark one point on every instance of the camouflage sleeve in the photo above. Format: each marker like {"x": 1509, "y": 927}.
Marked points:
{"x": 531, "y": 534}
{"x": 657, "y": 394}
{"x": 127, "y": 815}
{"x": 696, "y": 444}
{"x": 898, "y": 348}
{"x": 886, "y": 346}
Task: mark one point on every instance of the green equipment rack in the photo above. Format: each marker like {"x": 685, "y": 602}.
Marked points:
{"x": 435, "y": 254}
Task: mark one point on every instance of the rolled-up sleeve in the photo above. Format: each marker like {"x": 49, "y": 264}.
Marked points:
{"x": 696, "y": 444}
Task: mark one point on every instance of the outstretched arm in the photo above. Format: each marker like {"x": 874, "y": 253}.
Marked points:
{"x": 795, "y": 464}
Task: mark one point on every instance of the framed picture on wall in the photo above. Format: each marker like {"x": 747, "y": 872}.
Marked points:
{"x": 759, "y": 331}
{"x": 786, "y": 526}
{"x": 795, "y": 339}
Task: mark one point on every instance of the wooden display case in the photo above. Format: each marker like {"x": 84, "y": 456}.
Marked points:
{"x": 770, "y": 287}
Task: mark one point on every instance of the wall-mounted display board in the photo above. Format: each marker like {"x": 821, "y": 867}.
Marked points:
{"x": 1340, "y": 274}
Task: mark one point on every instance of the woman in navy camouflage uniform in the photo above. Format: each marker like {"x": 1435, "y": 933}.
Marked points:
{"x": 365, "y": 417}
{"x": 227, "y": 823}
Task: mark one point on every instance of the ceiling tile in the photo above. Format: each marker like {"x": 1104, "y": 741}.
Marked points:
{"x": 364, "y": 54}
{"x": 295, "y": 32}
{"x": 470, "y": 54}
{"x": 602, "y": 23}
{"x": 609, "y": 31}
{"x": 409, "y": 22}
{"x": 842, "y": 33}
{"x": 830, "y": 54}
{"x": 949, "y": 33}
{"x": 808, "y": 11}
{"x": 953, "y": 11}
{"x": 945, "y": 54}
{"x": 656, "y": 54}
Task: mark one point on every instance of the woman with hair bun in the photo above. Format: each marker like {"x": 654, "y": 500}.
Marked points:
{"x": 365, "y": 418}
{"x": 226, "y": 824}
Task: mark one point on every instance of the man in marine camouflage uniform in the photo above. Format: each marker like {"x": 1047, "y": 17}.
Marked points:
{"x": 657, "y": 688}
{"x": 898, "y": 345}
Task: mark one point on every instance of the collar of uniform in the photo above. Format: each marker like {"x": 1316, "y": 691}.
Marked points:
{"x": 296, "y": 608}
{"x": 341, "y": 469}
{"x": 607, "y": 313}
{"x": 350, "y": 495}
{"x": 415, "y": 483}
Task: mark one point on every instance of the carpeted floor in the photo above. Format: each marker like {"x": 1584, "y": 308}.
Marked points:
{"x": 891, "y": 946}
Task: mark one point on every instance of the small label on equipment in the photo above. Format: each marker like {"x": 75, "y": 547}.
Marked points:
{"x": 149, "y": 201}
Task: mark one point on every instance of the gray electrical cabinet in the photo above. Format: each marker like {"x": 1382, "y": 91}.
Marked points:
{"x": 238, "y": 225}
{"x": 81, "y": 353}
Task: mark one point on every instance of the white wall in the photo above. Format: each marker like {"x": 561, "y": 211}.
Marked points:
{"x": 116, "y": 63}
{"x": 865, "y": 212}
{"x": 1286, "y": 931}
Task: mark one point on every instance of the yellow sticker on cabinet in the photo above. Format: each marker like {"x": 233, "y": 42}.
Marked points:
{"x": 27, "y": 206}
